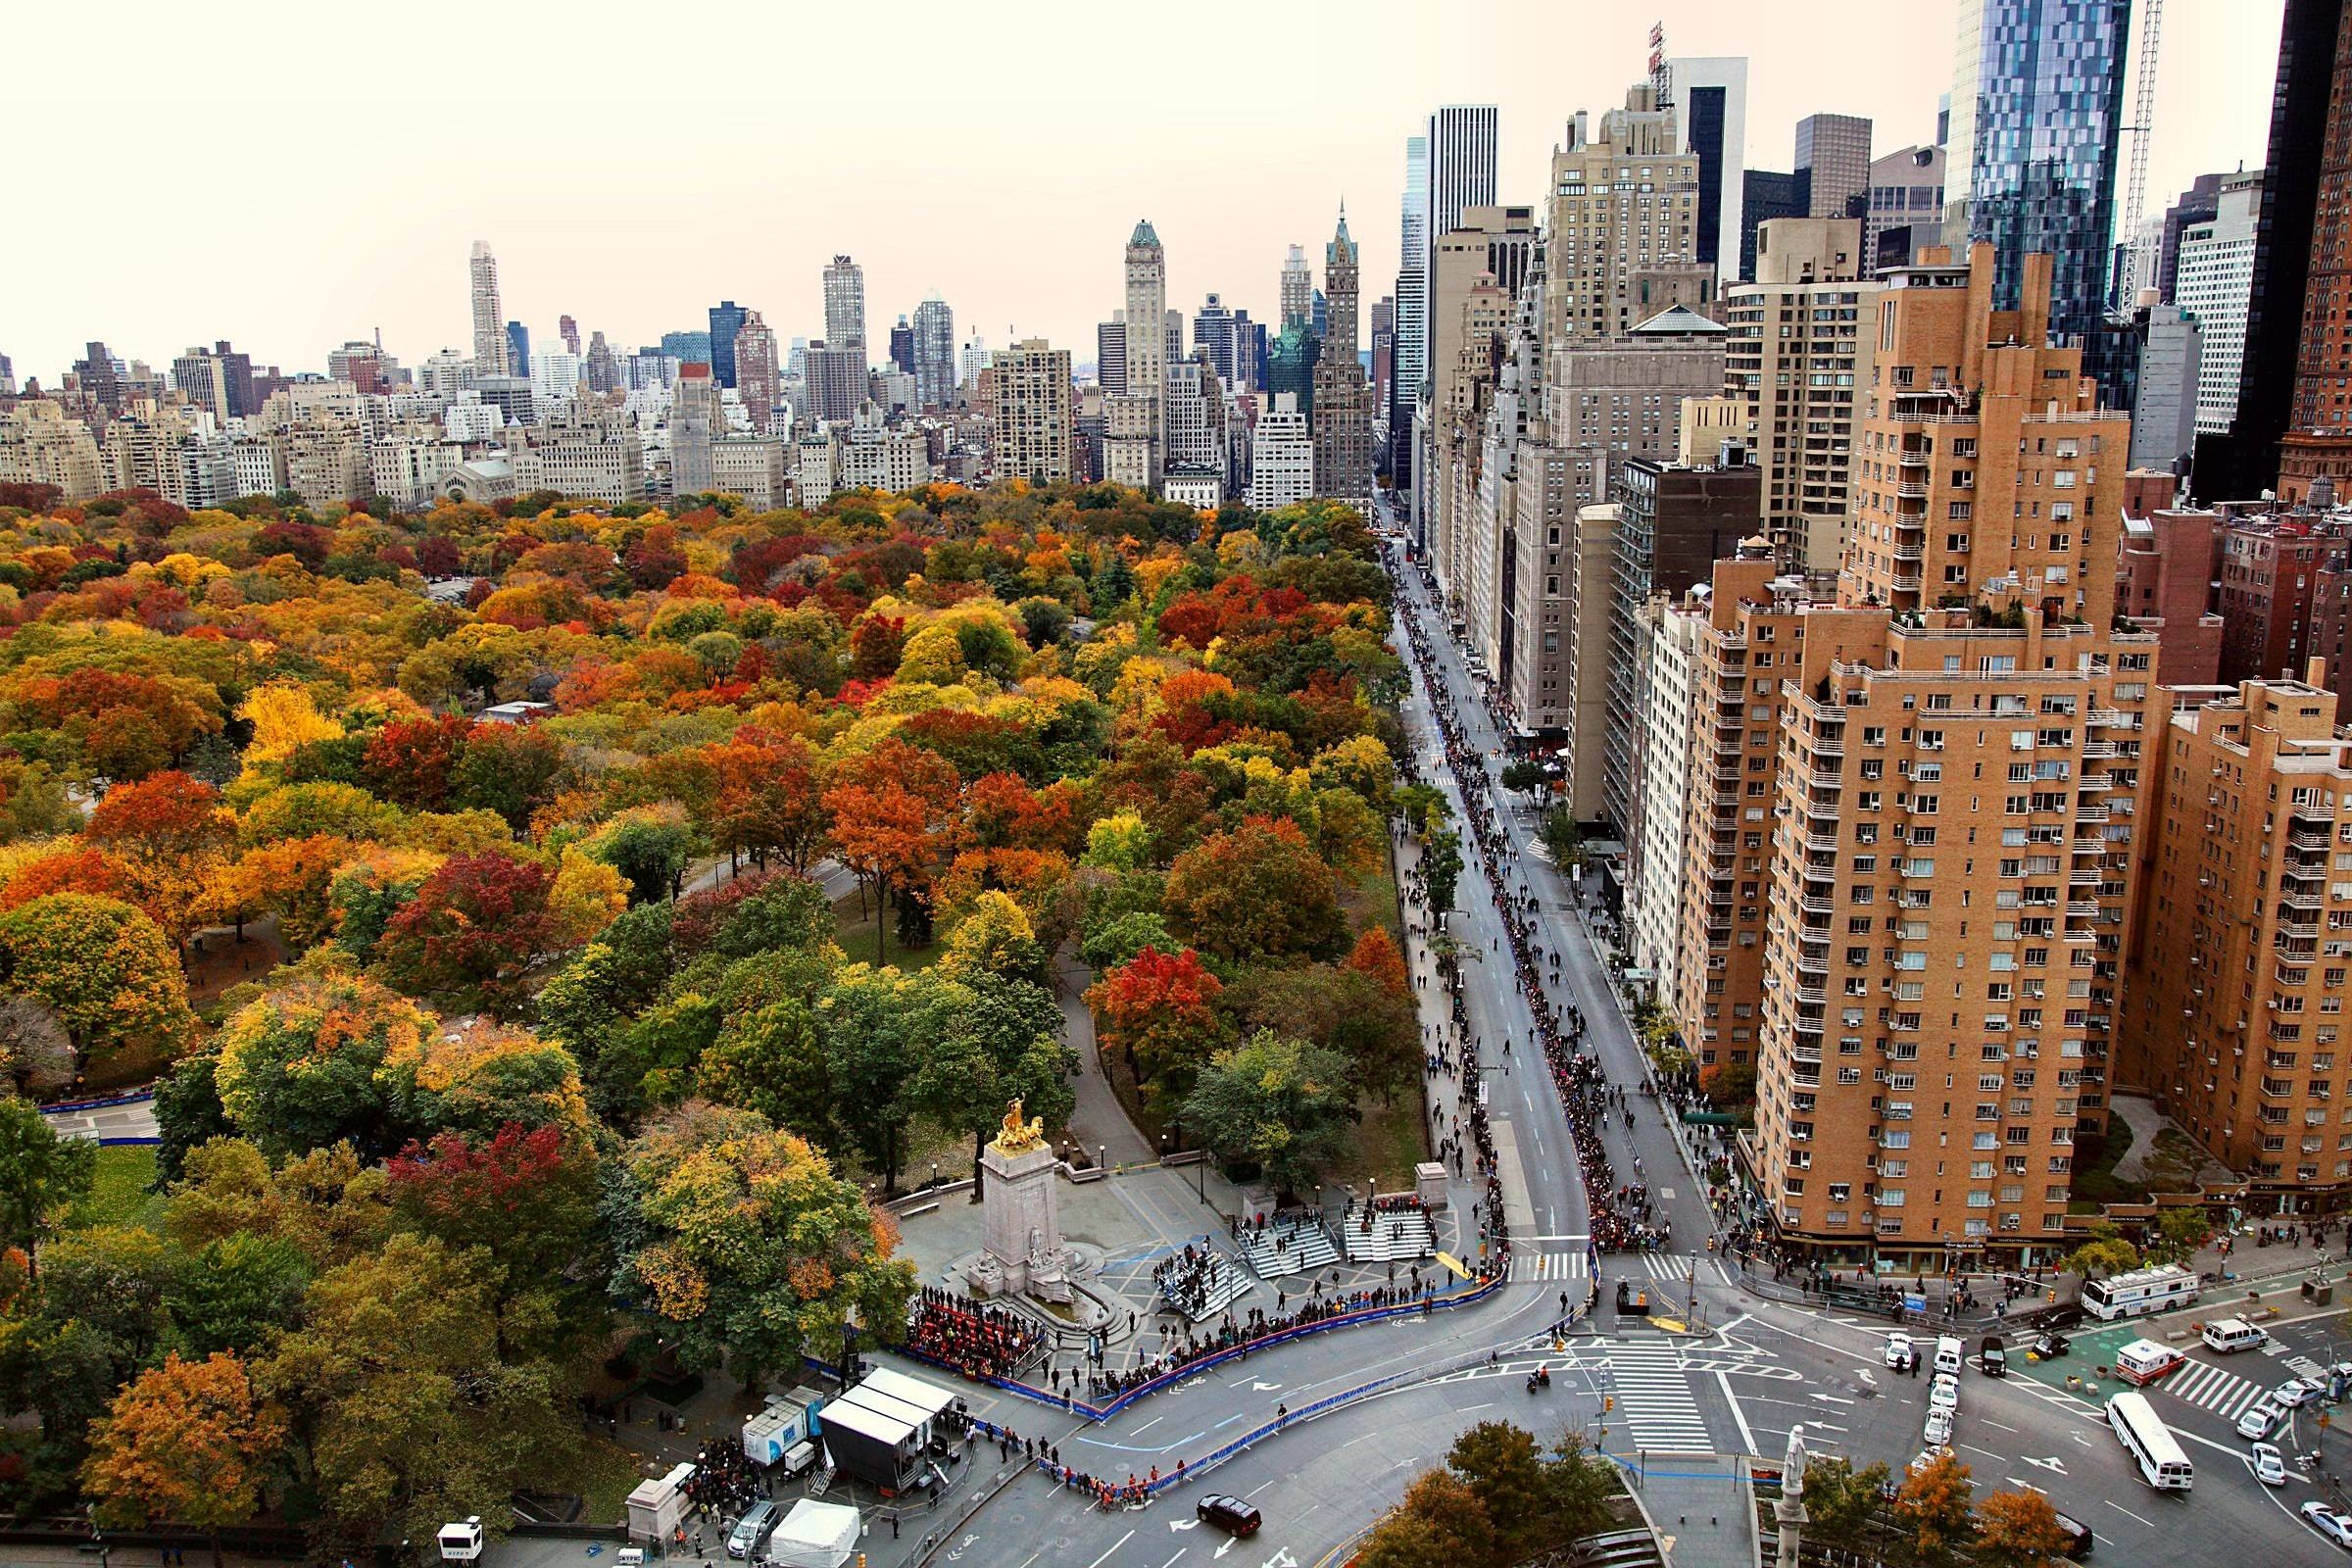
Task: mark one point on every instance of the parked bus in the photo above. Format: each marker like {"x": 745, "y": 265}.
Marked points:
{"x": 2149, "y": 1441}
{"x": 2139, "y": 1293}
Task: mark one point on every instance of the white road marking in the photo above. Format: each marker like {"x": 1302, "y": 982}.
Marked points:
{"x": 1747, "y": 1439}
{"x": 1114, "y": 1546}
{"x": 1179, "y": 1557}
{"x": 2126, "y": 1512}
{"x": 1988, "y": 1421}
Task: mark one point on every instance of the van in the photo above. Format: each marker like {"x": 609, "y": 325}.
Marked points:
{"x": 750, "y": 1532}
{"x": 1994, "y": 1356}
{"x": 2079, "y": 1539}
{"x": 1948, "y": 1354}
{"x": 2143, "y": 1362}
{"x": 2231, "y": 1333}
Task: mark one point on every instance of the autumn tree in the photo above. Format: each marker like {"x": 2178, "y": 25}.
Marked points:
{"x": 1257, "y": 891}
{"x": 317, "y": 1061}
{"x": 1375, "y": 958}
{"x": 1160, "y": 1010}
{"x": 413, "y": 763}
{"x": 1933, "y": 1504}
{"x": 477, "y": 923}
{"x": 171, "y": 835}
{"x": 743, "y": 1240}
{"x": 189, "y": 1443}
{"x": 105, "y": 969}
{"x": 1841, "y": 1501}
{"x": 2019, "y": 1530}
{"x": 1340, "y": 1008}
{"x": 892, "y": 809}
{"x": 768, "y": 802}
{"x": 512, "y": 769}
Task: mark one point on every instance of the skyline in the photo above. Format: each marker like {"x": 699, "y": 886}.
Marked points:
{"x": 575, "y": 210}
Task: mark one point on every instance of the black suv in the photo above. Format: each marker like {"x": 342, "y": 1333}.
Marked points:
{"x": 1229, "y": 1514}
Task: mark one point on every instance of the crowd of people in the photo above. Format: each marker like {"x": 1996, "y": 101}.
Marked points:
{"x": 976, "y": 1339}
{"x": 724, "y": 1485}
{"x": 1319, "y": 1304}
{"x": 1189, "y": 1279}
{"x": 1624, "y": 1215}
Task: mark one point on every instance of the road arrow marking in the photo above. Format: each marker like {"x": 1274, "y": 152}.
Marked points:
{"x": 1228, "y": 1546}
{"x": 2051, "y": 1465}
{"x": 1263, "y": 1387}
{"x": 1184, "y": 1524}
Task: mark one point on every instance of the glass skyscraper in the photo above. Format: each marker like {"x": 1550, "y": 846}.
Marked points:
{"x": 726, "y": 320}
{"x": 2037, "y": 102}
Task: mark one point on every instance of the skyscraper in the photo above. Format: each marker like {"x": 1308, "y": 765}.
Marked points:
{"x": 1412, "y": 310}
{"x": 1033, "y": 411}
{"x": 1459, "y": 161}
{"x": 902, "y": 346}
{"x": 1833, "y": 164}
{"x": 1213, "y": 334}
{"x": 2037, "y": 98}
{"x": 2318, "y": 443}
{"x": 726, "y": 319}
{"x": 1298, "y": 291}
{"x": 1110, "y": 353}
{"x": 755, "y": 376}
{"x": 836, "y": 382}
{"x": 845, "y": 305}
{"x": 569, "y": 331}
{"x": 489, "y": 321}
{"x": 934, "y": 352}
{"x": 518, "y": 348}
{"x": 2245, "y": 461}
{"x": 1616, "y": 257}
{"x": 2211, "y": 281}
{"x": 1711, "y": 96}
{"x": 1342, "y": 422}
{"x": 1147, "y": 349}
{"x": 1905, "y": 208}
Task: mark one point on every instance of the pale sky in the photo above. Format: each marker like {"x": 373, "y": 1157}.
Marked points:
{"x": 290, "y": 176}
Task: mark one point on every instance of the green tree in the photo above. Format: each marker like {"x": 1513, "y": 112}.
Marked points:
{"x": 404, "y": 1413}
{"x": 2179, "y": 1231}
{"x": 243, "y": 1289}
{"x": 1283, "y": 1103}
{"x": 41, "y": 1175}
{"x": 650, "y": 846}
{"x": 1563, "y": 838}
{"x": 773, "y": 1061}
{"x": 1506, "y": 1471}
{"x": 1442, "y": 867}
{"x": 983, "y": 1044}
{"x": 1523, "y": 777}
{"x": 1841, "y": 1501}
{"x": 2106, "y": 1252}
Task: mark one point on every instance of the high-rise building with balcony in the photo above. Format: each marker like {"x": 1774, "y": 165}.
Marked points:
{"x": 1032, "y": 429}
{"x": 1968, "y": 404}
{"x": 2234, "y": 1005}
{"x": 1797, "y": 357}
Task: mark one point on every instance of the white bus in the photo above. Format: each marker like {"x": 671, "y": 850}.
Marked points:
{"x": 2149, "y": 1441}
{"x": 2139, "y": 1293}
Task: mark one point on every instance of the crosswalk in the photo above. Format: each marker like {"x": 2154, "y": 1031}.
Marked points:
{"x": 1673, "y": 1266}
{"x": 1654, "y": 1398}
{"x": 1548, "y": 1267}
{"x": 2210, "y": 1388}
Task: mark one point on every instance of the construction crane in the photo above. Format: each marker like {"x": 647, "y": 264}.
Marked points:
{"x": 2134, "y": 264}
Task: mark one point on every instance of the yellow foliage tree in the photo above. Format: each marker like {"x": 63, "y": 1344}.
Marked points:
{"x": 283, "y": 717}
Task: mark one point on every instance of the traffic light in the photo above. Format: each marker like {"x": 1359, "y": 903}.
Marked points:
{"x": 1608, "y": 1402}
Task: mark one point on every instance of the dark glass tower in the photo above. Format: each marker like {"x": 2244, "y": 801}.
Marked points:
{"x": 2046, "y": 100}
{"x": 518, "y": 348}
{"x": 726, "y": 320}
{"x": 1703, "y": 127}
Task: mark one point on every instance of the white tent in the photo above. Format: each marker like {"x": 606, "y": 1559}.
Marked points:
{"x": 814, "y": 1535}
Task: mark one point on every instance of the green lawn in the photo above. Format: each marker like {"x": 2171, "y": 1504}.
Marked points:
{"x": 854, "y": 929}
{"x": 2096, "y": 1159}
{"x": 119, "y": 1196}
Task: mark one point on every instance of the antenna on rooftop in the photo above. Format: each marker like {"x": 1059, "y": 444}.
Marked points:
{"x": 1661, "y": 74}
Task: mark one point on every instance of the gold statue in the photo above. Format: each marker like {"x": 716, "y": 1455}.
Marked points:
{"x": 1019, "y": 1137}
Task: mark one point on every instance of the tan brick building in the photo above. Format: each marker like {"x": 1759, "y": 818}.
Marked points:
{"x": 1981, "y": 455}
{"x": 2234, "y": 1005}
{"x": 1916, "y": 859}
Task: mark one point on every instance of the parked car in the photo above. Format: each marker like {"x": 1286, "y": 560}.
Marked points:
{"x": 2336, "y": 1526}
{"x": 2261, "y": 1419}
{"x": 1944, "y": 1393}
{"x": 2050, "y": 1346}
{"x": 1901, "y": 1353}
{"x": 2079, "y": 1539}
{"x": 2269, "y": 1466}
{"x": 2296, "y": 1393}
{"x": 1940, "y": 1427}
{"x": 1229, "y": 1514}
{"x": 750, "y": 1536}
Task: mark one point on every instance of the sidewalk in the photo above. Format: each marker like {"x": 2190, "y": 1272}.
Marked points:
{"x": 1097, "y": 1121}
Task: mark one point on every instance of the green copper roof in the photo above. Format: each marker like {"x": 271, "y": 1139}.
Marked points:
{"x": 1143, "y": 234}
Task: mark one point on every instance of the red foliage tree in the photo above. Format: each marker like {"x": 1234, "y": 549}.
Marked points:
{"x": 479, "y": 921}
{"x": 1160, "y": 1010}
{"x": 413, "y": 761}
{"x": 1375, "y": 955}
